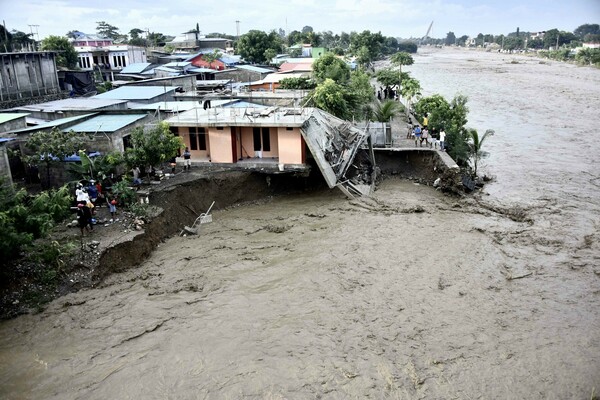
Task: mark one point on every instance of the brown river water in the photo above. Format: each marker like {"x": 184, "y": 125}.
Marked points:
{"x": 315, "y": 296}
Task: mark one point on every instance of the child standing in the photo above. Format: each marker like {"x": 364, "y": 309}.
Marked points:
{"x": 112, "y": 206}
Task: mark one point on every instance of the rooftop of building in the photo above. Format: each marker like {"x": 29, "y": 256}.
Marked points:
{"x": 135, "y": 92}
{"x": 7, "y": 117}
{"x": 251, "y": 116}
{"x": 73, "y": 104}
{"x": 106, "y": 123}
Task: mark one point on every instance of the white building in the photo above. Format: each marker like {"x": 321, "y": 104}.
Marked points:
{"x": 101, "y": 54}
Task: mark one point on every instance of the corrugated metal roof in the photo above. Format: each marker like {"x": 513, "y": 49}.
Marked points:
{"x": 166, "y": 105}
{"x": 136, "y": 92}
{"x": 252, "y": 68}
{"x": 180, "y": 64}
{"x": 168, "y": 69}
{"x": 136, "y": 68}
{"x": 4, "y": 140}
{"x": 5, "y": 117}
{"x": 201, "y": 70}
{"x": 79, "y": 103}
{"x": 106, "y": 123}
{"x": 52, "y": 124}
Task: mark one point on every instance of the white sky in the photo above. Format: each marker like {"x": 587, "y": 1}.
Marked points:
{"x": 398, "y": 18}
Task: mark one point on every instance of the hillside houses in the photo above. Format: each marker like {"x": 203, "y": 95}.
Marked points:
{"x": 97, "y": 53}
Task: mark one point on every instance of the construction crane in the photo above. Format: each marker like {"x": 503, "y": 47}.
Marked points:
{"x": 428, "y": 31}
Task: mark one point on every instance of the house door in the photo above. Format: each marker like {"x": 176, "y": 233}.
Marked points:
{"x": 262, "y": 141}
{"x": 234, "y": 145}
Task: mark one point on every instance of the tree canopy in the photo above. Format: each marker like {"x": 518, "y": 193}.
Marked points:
{"x": 330, "y": 66}
{"x": 253, "y": 45}
{"x": 152, "y": 146}
{"x": 66, "y": 54}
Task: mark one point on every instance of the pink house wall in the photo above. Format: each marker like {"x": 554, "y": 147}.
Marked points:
{"x": 221, "y": 146}
{"x": 290, "y": 146}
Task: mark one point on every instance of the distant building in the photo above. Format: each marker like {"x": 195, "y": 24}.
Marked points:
{"x": 27, "y": 74}
{"x": 192, "y": 42}
{"x": 101, "y": 54}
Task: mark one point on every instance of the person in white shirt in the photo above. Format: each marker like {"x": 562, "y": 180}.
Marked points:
{"x": 443, "y": 140}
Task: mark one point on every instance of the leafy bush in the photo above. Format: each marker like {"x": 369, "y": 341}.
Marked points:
{"x": 24, "y": 218}
{"x": 124, "y": 193}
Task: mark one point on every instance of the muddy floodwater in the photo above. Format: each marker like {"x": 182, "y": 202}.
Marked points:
{"x": 409, "y": 294}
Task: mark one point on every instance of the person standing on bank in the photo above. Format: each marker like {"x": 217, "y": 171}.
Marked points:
{"x": 443, "y": 140}
{"x": 187, "y": 159}
{"x": 84, "y": 218}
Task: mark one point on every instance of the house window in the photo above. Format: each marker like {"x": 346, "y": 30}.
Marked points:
{"x": 289, "y": 128}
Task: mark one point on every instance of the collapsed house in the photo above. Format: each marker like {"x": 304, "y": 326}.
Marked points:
{"x": 280, "y": 140}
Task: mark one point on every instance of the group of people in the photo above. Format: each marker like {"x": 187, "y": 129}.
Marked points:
{"x": 387, "y": 93}
{"x": 87, "y": 198}
{"x": 422, "y": 134}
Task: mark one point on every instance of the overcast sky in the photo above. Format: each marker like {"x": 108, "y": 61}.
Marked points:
{"x": 398, "y": 18}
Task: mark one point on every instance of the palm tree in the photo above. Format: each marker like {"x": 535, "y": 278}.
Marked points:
{"x": 386, "y": 110}
{"x": 475, "y": 146}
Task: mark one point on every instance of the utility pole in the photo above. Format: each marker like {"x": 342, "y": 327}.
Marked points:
{"x": 37, "y": 34}
{"x": 557, "y": 36}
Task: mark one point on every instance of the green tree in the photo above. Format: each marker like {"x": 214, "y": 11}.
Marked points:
{"x": 107, "y": 30}
{"x": 360, "y": 86}
{"x": 401, "y": 58}
{"x": 410, "y": 89}
{"x": 300, "y": 83}
{"x": 52, "y": 147}
{"x": 294, "y": 37}
{"x": 24, "y": 218}
{"x": 390, "y": 77}
{"x": 212, "y": 57}
{"x": 588, "y": 56}
{"x": 329, "y": 66}
{"x": 269, "y": 55}
{"x": 252, "y": 45}
{"x": 582, "y": 30}
{"x": 332, "y": 97}
{"x": 73, "y": 34}
{"x": 452, "y": 117}
{"x": 157, "y": 39}
{"x": 475, "y": 147}
{"x": 66, "y": 55}
{"x": 135, "y": 39}
{"x": 450, "y": 39}
{"x": 386, "y": 110}
{"x": 96, "y": 168}
{"x": 307, "y": 29}
{"x": 373, "y": 42}
{"x": 152, "y": 146}
{"x": 22, "y": 41}
{"x": 407, "y": 47}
